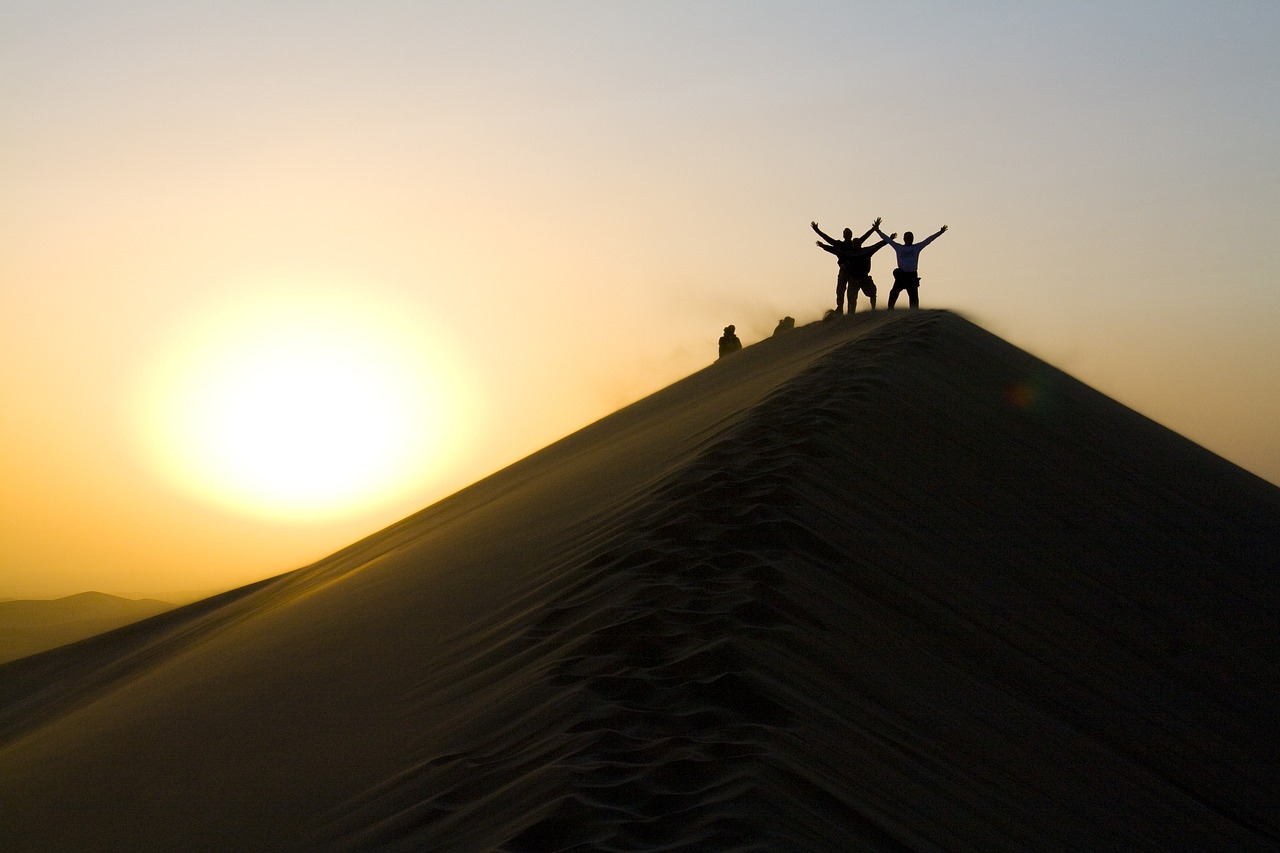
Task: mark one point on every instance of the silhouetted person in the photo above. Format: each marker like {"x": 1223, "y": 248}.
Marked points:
{"x": 786, "y": 324}
{"x": 855, "y": 265}
{"x": 729, "y": 342}
{"x": 906, "y": 276}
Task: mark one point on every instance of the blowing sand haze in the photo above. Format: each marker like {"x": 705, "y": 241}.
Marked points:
{"x": 885, "y": 584}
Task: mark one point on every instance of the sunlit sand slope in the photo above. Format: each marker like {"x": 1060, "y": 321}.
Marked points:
{"x": 886, "y": 583}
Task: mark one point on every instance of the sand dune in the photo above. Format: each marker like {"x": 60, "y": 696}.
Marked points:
{"x": 28, "y": 626}
{"x": 886, "y": 583}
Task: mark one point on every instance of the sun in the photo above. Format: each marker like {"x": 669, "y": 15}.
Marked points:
{"x": 301, "y": 404}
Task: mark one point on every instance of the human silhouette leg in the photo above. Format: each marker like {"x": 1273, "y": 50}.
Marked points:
{"x": 911, "y": 284}
{"x": 908, "y": 281}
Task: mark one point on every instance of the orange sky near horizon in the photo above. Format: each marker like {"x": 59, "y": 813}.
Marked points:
{"x": 478, "y": 229}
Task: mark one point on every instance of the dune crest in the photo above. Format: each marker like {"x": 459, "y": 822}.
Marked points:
{"x": 884, "y": 583}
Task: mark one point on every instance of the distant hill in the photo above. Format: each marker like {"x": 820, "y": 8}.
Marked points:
{"x": 31, "y": 626}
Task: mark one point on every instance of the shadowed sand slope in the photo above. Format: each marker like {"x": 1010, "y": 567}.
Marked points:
{"x": 886, "y": 583}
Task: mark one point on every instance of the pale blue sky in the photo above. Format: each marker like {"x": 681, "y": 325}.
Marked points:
{"x": 572, "y": 199}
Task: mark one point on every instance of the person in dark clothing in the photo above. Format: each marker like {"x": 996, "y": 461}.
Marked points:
{"x": 907, "y": 276}
{"x": 855, "y": 265}
{"x": 729, "y": 342}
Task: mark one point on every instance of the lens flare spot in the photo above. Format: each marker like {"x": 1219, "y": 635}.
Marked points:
{"x": 1022, "y": 395}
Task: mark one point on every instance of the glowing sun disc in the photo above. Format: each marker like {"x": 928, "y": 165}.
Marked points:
{"x": 301, "y": 404}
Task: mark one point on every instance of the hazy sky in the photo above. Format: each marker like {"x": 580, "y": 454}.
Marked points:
{"x": 276, "y": 274}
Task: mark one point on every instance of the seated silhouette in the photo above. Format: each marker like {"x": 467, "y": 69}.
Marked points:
{"x": 729, "y": 342}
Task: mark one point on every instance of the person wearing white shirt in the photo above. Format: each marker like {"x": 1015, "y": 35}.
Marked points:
{"x": 907, "y": 276}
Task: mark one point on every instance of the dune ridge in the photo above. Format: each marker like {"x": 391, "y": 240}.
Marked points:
{"x": 886, "y": 583}
{"x": 664, "y": 646}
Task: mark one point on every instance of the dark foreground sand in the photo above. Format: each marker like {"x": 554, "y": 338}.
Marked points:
{"x": 886, "y": 583}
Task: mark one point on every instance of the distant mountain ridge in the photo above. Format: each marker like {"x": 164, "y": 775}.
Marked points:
{"x": 29, "y": 626}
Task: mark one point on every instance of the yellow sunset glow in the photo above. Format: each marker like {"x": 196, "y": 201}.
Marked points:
{"x": 233, "y": 235}
{"x": 300, "y": 404}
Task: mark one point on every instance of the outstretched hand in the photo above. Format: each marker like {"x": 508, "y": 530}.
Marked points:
{"x": 893, "y": 236}
{"x": 876, "y": 224}
{"x": 819, "y": 244}
{"x": 814, "y": 225}
{"x": 942, "y": 230}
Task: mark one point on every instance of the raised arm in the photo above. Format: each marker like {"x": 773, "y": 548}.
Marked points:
{"x": 888, "y": 238}
{"x": 824, "y": 247}
{"x": 875, "y": 226}
{"x": 871, "y": 250}
{"x": 932, "y": 237}
{"x": 822, "y": 235}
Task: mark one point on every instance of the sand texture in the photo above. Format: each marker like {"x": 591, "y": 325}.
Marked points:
{"x": 884, "y": 583}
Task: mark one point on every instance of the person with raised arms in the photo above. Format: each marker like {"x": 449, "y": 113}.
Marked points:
{"x": 907, "y": 275}
{"x": 854, "y": 261}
